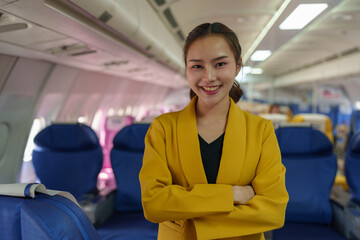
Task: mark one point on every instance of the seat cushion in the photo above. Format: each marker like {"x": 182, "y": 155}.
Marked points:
{"x": 302, "y": 231}
{"x": 128, "y": 225}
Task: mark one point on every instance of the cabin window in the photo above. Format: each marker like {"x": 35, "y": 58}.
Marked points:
{"x": 27, "y": 173}
{"x": 37, "y": 126}
{"x": 4, "y": 134}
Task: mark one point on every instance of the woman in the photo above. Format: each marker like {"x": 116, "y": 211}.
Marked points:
{"x": 212, "y": 171}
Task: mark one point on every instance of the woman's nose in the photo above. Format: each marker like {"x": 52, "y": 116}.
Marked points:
{"x": 210, "y": 74}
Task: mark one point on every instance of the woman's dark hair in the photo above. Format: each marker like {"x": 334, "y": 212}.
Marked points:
{"x": 231, "y": 38}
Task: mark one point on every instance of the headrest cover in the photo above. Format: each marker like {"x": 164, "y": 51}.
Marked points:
{"x": 355, "y": 120}
{"x": 302, "y": 140}
{"x": 131, "y": 137}
{"x": 67, "y": 137}
{"x": 355, "y": 143}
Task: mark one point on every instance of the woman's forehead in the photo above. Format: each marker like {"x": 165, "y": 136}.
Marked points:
{"x": 209, "y": 46}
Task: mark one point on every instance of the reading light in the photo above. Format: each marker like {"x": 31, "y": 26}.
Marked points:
{"x": 242, "y": 74}
{"x": 302, "y": 15}
{"x": 260, "y": 55}
{"x": 357, "y": 105}
{"x": 246, "y": 69}
{"x": 256, "y": 71}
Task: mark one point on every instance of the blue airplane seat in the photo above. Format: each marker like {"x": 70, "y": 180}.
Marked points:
{"x": 128, "y": 221}
{"x": 68, "y": 157}
{"x": 352, "y": 167}
{"x": 350, "y": 215}
{"x": 311, "y": 167}
{"x": 355, "y": 118}
{"x": 42, "y": 217}
{"x": 355, "y": 123}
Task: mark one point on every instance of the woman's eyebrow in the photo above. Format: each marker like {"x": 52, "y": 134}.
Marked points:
{"x": 219, "y": 58}
{"x": 195, "y": 60}
{"x": 215, "y": 59}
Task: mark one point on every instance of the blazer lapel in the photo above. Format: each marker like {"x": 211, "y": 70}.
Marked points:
{"x": 233, "y": 153}
{"x": 188, "y": 144}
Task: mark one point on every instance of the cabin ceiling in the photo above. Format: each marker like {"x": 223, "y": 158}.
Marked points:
{"x": 143, "y": 39}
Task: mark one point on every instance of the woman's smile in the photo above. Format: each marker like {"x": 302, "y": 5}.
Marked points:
{"x": 211, "y": 70}
{"x": 211, "y": 90}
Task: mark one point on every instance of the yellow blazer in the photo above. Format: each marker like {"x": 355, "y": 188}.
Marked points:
{"x": 175, "y": 192}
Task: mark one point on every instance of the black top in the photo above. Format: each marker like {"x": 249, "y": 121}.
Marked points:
{"x": 211, "y": 156}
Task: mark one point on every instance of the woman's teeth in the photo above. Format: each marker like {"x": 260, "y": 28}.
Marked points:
{"x": 211, "y": 88}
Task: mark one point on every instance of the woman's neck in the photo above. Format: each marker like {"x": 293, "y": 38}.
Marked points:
{"x": 219, "y": 110}
{"x": 211, "y": 120}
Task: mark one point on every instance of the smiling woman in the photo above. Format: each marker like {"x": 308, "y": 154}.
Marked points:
{"x": 212, "y": 171}
{"x": 232, "y": 45}
{"x": 210, "y": 69}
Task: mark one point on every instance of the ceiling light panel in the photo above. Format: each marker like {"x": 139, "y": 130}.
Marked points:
{"x": 302, "y": 15}
{"x": 260, "y": 55}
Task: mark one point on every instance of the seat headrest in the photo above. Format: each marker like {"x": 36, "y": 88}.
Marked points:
{"x": 131, "y": 138}
{"x": 355, "y": 121}
{"x": 67, "y": 137}
{"x": 302, "y": 140}
{"x": 355, "y": 143}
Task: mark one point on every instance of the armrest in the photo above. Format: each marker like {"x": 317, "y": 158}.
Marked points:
{"x": 340, "y": 196}
{"x": 98, "y": 206}
{"x": 346, "y": 213}
{"x": 268, "y": 235}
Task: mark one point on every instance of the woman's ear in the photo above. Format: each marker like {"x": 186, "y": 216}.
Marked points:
{"x": 238, "y": 66}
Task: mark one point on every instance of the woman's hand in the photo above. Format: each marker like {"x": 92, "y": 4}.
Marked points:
{"x": 243, "y": 194}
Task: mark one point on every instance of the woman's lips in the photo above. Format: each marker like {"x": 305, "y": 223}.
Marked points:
{"x": 211, "y": 90}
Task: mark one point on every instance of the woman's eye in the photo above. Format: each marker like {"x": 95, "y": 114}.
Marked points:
{"x": 220, "y": 64}
{"x": 196, "y": 66}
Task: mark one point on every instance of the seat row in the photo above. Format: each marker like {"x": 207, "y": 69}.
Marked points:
{"x": 68, "y": 157}
{"x": 311, "y": 168}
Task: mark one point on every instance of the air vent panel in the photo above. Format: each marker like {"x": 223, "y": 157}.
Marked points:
{"x": 170, "y": 17}
{"x": 105, "y": 17}
{"x": 72, "y": 50}
{"x": 13, "y": 27}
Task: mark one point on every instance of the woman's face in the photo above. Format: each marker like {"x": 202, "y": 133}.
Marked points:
{"x": 211, "y": 69}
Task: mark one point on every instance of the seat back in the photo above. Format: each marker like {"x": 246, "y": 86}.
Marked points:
{"x": 275, "y": 118}
{"x": 126, "y": 161}
{"x": 355, "y": 122}
{"x": 318, "y": 121}
{"x": 43, "y": 217}
{"x": 331, "y": 111}
{"x": 311, "y": 167}
{"x": 352, "y": 166}
{"x": 68, "y": 157}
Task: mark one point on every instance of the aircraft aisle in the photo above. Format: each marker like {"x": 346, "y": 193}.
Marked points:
{"x": 96, "y": 67}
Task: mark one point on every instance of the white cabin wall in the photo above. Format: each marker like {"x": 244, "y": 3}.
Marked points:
{"x": 55, "y": 92}
{"x": 123, "y": 96}
{"x": 37, "y": 89}
{"x": 85, "y": 92}
{"x": 352, "y": 87}
{"x": 84, "y": 96}
{"x": 18, "y": 99}
{"x": 6, "y": 63}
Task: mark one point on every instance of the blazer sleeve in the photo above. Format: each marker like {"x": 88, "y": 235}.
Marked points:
{"x": 266, "y": 210}
{"x": 164, "y": 201}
